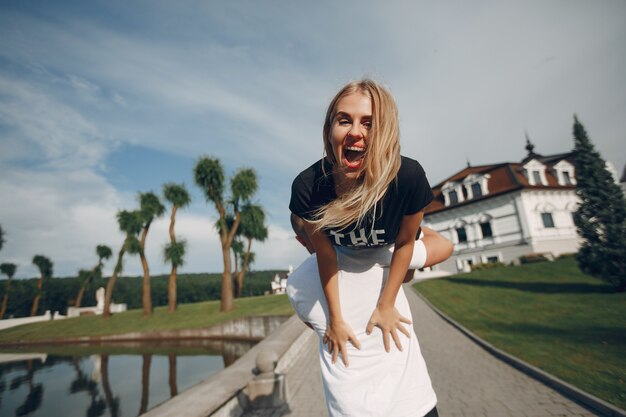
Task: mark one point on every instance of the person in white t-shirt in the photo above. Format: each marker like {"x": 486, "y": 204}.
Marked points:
{"x": 360, "y": 209}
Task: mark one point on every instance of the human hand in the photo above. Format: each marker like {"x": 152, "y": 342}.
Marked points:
{"x": 389, "y": 320}
{"x": 338, "y": 332}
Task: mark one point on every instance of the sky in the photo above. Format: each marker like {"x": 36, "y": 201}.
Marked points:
{"x": 101, "y": 100}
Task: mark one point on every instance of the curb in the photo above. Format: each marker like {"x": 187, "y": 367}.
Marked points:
{"x": 589, "y": 401}
{"x": 221, "y": 331}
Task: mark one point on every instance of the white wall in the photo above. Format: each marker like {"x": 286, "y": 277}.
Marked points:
{"x": 505, "y": 226}
{"x": 516, "y": 224}
{"x": 562, "y": 238}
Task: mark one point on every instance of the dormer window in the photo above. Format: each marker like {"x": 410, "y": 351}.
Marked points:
{"x": 454, "y": 198}
{"x": 536, "y": 177}
{"x": 453, "y": 193}
{"x": 475, "y": 185}
{"x": 565, "y": 173}
{"x": 535, "y": 172}
{"x": 476, "y": 190}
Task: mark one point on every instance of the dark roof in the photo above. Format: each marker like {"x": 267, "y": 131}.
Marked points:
{"x": 504, "y": 178}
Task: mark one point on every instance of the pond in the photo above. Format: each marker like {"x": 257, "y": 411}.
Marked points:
{"x": 107, "y": 380}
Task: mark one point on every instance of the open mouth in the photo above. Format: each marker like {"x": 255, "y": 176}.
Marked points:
{"x": 353, "y": 156}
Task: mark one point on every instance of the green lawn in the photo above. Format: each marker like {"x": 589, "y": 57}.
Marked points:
{"x": 548, "y": 314}
{"x": 188, "y": 316}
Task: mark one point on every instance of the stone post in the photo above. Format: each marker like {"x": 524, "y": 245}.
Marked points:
{"x": 267, "y": 389}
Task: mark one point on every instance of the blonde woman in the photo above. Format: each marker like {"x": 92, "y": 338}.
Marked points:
{"x": 361, "y": 207}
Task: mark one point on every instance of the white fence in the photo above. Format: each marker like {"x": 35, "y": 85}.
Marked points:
{"x": 5, "y": 324}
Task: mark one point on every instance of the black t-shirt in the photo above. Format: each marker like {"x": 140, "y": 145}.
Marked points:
{"x": 408, "y": 194}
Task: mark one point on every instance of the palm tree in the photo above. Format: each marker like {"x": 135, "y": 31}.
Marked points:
{"x": 252, "y": 227}
{"x": 9, "y": 270}
{"x": 130, "y": 222}
{"x": 178, "y": 197}
{"x": 209, "y": 176}
{"x": 237, "y": 248}
{"x": 151, "y": 208}
{"x": 104, "y": 252}
{"x": 45, "y": 272}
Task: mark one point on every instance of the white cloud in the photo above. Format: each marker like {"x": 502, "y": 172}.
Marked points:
{"x": 52, "y": 132}
{"x": 62, "y": 216}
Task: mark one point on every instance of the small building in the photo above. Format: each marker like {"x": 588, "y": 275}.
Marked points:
{"x": 98, "y": 309}
{"x": 499, "y": 212}
{"x": 279, "y": 283}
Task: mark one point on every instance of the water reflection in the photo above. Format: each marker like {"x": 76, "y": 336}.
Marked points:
{"x": 113, "y": 403}
{"x": 172, "y": 379}
{"x": 115, "y": 380}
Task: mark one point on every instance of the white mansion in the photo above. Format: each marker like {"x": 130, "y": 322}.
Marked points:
{"x": 502, "y": 211}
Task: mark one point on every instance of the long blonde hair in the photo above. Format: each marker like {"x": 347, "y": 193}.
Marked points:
{"x": 381, "y": 162}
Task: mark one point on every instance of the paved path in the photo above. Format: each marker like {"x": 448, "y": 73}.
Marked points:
{"x": 468, "y": 380}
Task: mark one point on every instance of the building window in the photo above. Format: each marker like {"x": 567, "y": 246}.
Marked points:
{"x": 461, "y": 234}
{"x": 537, "y": 177}
{"x": 476, "y": 190}
{"x": 567, "y": 179}
{"x": 485, "y": 228}
{"x": 454, "y": 198}
{"x": 547, "y": 220}
{"x": 492, "y": 259}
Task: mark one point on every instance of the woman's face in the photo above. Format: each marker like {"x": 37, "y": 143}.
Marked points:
{"x": 348, "y": 137}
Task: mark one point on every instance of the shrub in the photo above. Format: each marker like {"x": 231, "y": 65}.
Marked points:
{"x": 487, "y": 265}
{"x": 535, "y": 257}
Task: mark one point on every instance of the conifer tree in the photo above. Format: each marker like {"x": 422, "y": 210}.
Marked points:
{"x": 601, "y": 216}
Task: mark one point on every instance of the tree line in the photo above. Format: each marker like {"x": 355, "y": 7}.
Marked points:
{"x": 240, "y": 221}
{"x": 61, "y": 292}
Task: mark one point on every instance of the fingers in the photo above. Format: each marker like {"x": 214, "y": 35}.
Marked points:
{"x": 396, "y": 340}
{"x": 386, "y": 340}
{"x": 355, "y": 342}
{"x": 344, "y": 353}
{"x": 405, "y": 320}
{"x": 336, "y": 348}
{"x": 370, "y": 327}
{"x": 404, "y": 331}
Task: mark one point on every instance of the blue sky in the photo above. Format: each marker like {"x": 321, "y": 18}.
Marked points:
{"x": 100, "y": 100}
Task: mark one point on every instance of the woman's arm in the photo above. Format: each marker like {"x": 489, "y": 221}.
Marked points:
{"x": 338, "y": 332}
{"x": 385, "y": 315}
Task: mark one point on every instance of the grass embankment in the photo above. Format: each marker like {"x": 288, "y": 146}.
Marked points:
{"x": 548, "y": 314}
{"x": 188, "y": 316}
